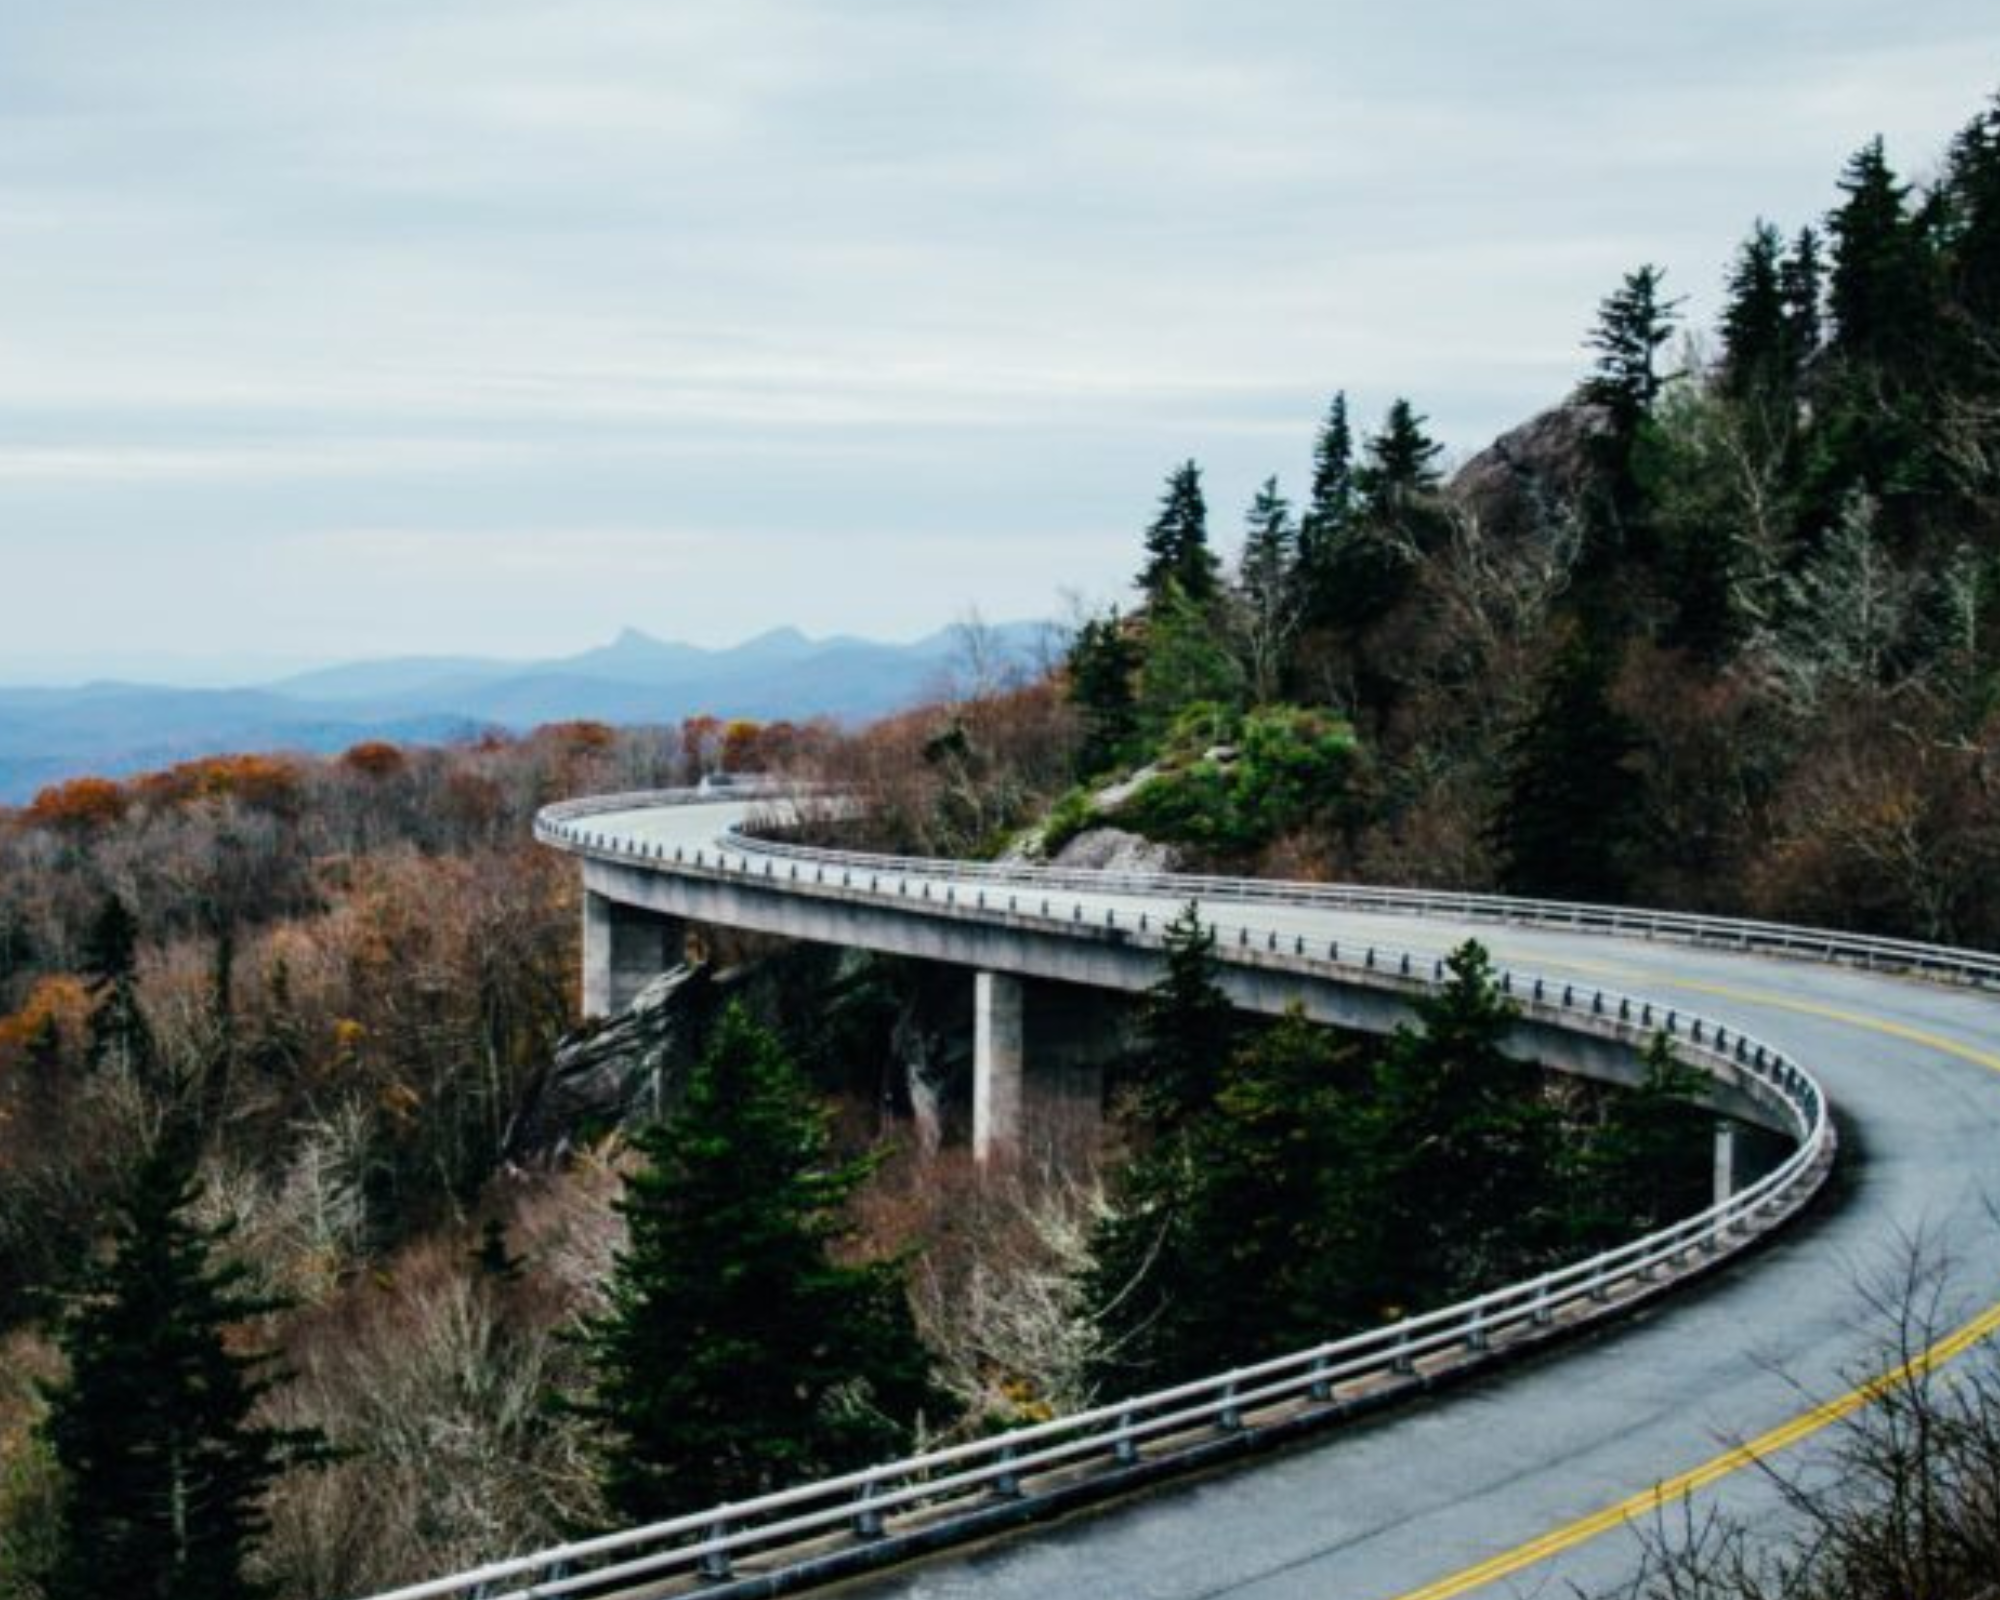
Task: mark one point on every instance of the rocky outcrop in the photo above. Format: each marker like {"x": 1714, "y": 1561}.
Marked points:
{"x": 1115, "y": 850}
{"x": 628, "y": 1069}
{"x": 1545, "y": 464}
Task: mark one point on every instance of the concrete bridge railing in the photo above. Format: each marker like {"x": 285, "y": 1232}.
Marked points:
{"x": 1733, "y": 933}
{"x": 819, "y": 1531}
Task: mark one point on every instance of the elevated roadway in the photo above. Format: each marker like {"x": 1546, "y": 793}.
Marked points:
{"x": 1541, "y": 1477}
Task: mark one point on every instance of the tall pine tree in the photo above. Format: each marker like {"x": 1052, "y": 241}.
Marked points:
{"x": 1756, "y": 342}
{"x": 1401, "y": 464}
{"x": 1177, "y": 550}
{"x": 165, "y": 1466}
{"x": 1466, "y": 1145}
{"x": 737, "y": 1354}
{"x": 120, "y": 1038}
{"x": 1802, "y": 282}
{"x": 1881, "y": 292}
{"x": 1236, "y": 1237}
{"x": 1633, "y": 324}
{"x": 1188, "y": 1026}
{"x": 1102, "y": 666}
{"x": 1568, "y": 801}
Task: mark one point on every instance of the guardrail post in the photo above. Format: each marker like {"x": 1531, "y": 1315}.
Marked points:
{"x": 1125, "y": 1448}
{"x": 867, "y": 1519}
{"x": 715, "y": 1563}
{"x": 1321, "y": 1387}
{"x": 1229, "y": 1419}
{"x": 1008, "y": 1485}
{"x": 1475, "y": 1332}
{"x": 1542, "y": 1315}
{"x": 1401, "y": 1362}
{"x": 1600, "y": 1285}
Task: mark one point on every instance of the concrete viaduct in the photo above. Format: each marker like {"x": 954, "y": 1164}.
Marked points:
{"x": 1568, "y": 1410}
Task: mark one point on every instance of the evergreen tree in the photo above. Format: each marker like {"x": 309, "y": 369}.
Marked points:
{"x": 1881, "y": 289}
{"x": 1972, "y": 185}
{"x": 1756, "y": 341}
{"x": 165, "y": 1469}
{"x": 1187, "y": 1027}
{"x": 1648, "y": 1161}
{"x": 1402, "y": 462}
{"x": 1569, "y": 796}
{"x": 1103, "y": 662}
{"x": 1333, "y": 486}
{"x": 120, "y": 1038}
{"x": 1270, "y": 543}
{"x": 1177, "y": 551}
{"x": 736, "y": 1354}
{"x": 1802, "y": 282}
{"x": 1232, "y": 1237}
{"x": 1633, "y": 323}
{"x": 1465, "y": 1144}
{"x": 1187, "y": 662}
{"x": 1269, "y": 602}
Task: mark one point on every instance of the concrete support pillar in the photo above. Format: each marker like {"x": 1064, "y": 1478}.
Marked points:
{"x": 623, "y": 950}
{"x": 1725, "y": 1159}
{"x": 998, "y": 1066}
{"x": 596, "y": 955}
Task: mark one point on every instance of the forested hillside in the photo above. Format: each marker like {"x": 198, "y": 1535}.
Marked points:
{"x": 1715, "y": 631}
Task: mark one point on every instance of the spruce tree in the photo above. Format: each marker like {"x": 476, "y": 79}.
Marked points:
{"x": 1270, "y": 542}
{"x": 1177, "y": 551}
{"x": 120, "y": 1038}
{"x": 1633, "y": 323}
{"x": 165, "y": 1467}
{"x": 1802, "y": 282}
{"x": 1881, "y": 288}
{"x": 1187, "y": 1027}
{"x": 1232, "y": 1237}
{"x": 1465, "y": 1144}
{"x": 1334, "y": 494}
{"x": 1972, "y": 187}
{"x": 1647, "y": 1162}
{"x": 1569, "y": 797}
{"x": 1103, "y": 664}
{"x": 1402, "y": 462}
{"x": 737, "y": 1354}
{"x": 1269, "y": 599}
{"x": 1756, "y": 341}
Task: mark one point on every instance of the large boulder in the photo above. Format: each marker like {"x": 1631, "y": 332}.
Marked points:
{"x": 1542, "y": 466}
{"x": 1115, "y": 850}
{"x": 628, "y": 1068}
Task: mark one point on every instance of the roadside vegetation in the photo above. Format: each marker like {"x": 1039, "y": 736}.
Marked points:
{"x": 1715, "y": 633}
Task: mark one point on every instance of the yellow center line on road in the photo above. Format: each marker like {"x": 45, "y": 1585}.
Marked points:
{"x": 1671, "y": 1490}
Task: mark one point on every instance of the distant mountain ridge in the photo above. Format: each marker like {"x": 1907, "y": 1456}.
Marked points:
{"x": 115, "y": 728}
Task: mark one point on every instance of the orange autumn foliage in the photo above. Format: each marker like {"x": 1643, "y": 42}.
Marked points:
{"x": 82, "y": 805}
{"x": 263, "y": 783}
{"x": 375, "y": 759}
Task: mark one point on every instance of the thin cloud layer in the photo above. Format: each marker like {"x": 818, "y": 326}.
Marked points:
{"x": 866, "y": 312}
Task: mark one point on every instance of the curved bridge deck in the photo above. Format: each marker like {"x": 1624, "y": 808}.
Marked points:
{"x": 1540, "y": 1477}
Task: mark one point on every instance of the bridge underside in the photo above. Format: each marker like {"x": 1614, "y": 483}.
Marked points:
{"x": 627, "y": 909}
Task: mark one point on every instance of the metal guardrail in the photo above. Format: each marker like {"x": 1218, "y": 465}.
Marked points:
{"x": 1734, "y": 933}
{"x": 928, "y": 1494}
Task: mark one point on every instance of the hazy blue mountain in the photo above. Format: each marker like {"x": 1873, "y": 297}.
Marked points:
{"x": 116, "y": 728}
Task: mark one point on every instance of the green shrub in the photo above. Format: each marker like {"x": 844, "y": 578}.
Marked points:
{"x": 1293, "y": 769}
{"x": 1073, "y": 814}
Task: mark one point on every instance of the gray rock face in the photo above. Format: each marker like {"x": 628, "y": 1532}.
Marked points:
{"x": 625, "y": 1071}
{"x": 1115, "y": 850}
{"x": 1546, "y": 462}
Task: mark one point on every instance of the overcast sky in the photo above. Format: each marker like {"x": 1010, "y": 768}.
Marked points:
{"x": 347, "y": 327}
